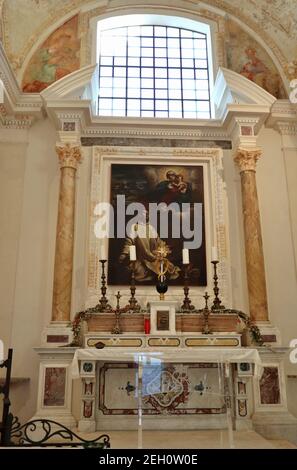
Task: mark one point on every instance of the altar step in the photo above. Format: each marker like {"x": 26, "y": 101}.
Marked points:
{"x": 206, "y": 439}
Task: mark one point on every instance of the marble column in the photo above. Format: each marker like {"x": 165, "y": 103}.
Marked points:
{"x": 246, "y": 160}
{"x": 69, "y": 157}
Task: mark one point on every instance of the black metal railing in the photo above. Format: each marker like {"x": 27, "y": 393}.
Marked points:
{"x": 38, "y": 432}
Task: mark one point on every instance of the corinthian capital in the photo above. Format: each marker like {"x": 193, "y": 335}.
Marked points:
{"x": 69, "y": 155}
{"x": 246, "y": 159}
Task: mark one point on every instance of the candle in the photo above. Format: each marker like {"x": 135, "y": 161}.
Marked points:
{"x": 214, "y": 254}
{"x": 161, "y": 271}
{"x": 102, "y": 253}
{"x": 186, "y": 259}
{"x": 147, "y": 326}
{"x": 132, "y": 253}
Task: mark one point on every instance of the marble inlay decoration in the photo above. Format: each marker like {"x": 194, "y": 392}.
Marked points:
{"x": 153, "y": 142}
{"x": 174, "y": 389}
{"x": 54, "y": 386}
{"x": 269, "y": 386}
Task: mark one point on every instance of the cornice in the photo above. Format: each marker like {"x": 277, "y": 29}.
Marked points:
{"x": 157, "y": 131}
{"x": 283, "y": 117}
{"x": 18, "y": 109}
{"x": 160, "y": 151}
{"x": 16, "y": 123}
{"x": 66, "y": 110}
{"x": 287, "y": 128}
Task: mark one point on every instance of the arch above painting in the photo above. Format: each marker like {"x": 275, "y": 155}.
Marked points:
{"x": 60, "y": 53}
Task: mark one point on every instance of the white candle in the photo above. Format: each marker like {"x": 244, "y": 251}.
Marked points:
{"x": 102, "y": 253}
{"x": 132, "y": 253}
{"x": 186, "y": 258}
{"x": 214, "y": 254}
{"x": 161, "y": 270}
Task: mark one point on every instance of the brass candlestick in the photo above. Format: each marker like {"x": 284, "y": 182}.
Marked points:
{"x": 186, "y": 306}
{"x": 103, "y": 305}
{"x": 217, "y": 302}
{"x": 133, "y": 303}
{"x": 205, "y": 312}
{"x": 117, "y": 327}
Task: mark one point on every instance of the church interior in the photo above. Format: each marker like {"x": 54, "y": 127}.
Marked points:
{"x": 148, "y": 240}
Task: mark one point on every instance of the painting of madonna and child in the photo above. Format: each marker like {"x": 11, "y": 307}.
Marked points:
{"x": 177, "y": 192}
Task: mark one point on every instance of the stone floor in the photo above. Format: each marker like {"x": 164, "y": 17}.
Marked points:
{"x": 214, "y": 439}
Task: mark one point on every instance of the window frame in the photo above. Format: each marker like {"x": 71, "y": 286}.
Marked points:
{"x": 181, "y": 24}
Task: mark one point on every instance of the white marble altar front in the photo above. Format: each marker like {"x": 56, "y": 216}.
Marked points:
{"x": 168, "y": 388}
{"x": 206, "y": 387}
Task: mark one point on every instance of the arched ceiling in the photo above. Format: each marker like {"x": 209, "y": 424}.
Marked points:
{"x": 275, "y": 21}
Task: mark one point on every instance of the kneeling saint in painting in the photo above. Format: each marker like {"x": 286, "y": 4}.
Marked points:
{"x": 147, "y": 265}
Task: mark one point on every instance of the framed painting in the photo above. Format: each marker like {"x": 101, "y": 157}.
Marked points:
{"x": 175, "y": 186}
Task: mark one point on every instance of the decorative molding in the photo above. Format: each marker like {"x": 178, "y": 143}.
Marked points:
{"x": 152, "y": 141}
{"x": 18, "y": 111}
{"x": 253, "y": 110}
{"x": 221, "y": 53}
{"x": 231, "y": 87}
{"x": 69, "y": 155}
{"x": 246, "y": 159}
{"x": 283, "y": 117}
{"x": 156, "y": 132}
{"x": 284, "y": 107}
{"x": 73, "y": 85}
{"x": 287, "y": 128}
{"x": 11, "y": 122}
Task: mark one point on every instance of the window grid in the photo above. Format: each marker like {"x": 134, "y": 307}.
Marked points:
{"x": 162, "y": 82}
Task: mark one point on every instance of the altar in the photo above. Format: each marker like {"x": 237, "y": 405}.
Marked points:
{"x": 160, "y": 388}
{"x": 199, "y": 384}
{"x": 159, "y": 343}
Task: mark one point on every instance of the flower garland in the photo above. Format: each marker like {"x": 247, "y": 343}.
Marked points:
{"x": 253, "y": 329}
{"x": 86, "y": 314}
{"x": 76, "y": 325}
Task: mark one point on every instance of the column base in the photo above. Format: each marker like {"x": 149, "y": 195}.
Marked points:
{"x": 244, "y": 424}
{"x": 270, "y": 333}
{"x": 86, "y": 426}
{"x": 276, "y": 425}
{"x": 57, "y": 334}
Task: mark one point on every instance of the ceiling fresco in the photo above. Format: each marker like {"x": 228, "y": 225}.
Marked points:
{"x": 274, "y": 21}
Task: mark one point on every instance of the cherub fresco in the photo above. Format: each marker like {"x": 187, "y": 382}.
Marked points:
{"x": 255, "y": 69}
{"x": 57, "y": 57}
{"x": 248, "y": 58}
